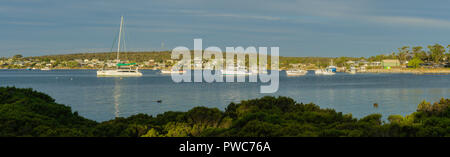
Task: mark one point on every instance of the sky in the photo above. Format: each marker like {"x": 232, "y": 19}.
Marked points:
{"x": 357, "y": 28}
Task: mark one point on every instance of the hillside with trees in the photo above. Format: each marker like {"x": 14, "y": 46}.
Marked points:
{"x": 432, "y": 56}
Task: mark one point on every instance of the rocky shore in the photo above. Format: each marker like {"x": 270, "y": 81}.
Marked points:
{"x": 413, "y": 71}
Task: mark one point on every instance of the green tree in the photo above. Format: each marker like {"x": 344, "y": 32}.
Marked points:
{"x": 402, "y": 54}
{"x": 24, "y": 112}
{"x": 151, "y": 133}
{"x": 448, "y": 53}
{"x": 436, "y": 52}
{"x": 18, "y": 56}
{"x": 415, "y": 62}
{"x": 72, "y": 64}
{"x": 395, "y": 118}
{"x": 419, "y": 53}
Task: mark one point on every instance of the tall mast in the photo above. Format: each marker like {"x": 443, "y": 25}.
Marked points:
{"x": 120, "y": 34}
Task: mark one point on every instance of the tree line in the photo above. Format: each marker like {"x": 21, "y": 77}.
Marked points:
{"x": 433, "y": 54}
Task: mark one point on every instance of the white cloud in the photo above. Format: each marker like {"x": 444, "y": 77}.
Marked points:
{"x": 255, "y": 17}
{"x": 229, "y": 15}
{"x": 29, "y": 23}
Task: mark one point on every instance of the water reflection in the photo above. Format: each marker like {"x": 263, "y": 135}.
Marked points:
{"x": 116, "y": 96}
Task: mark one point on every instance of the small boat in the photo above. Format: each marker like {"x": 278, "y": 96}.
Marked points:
{"x": 328, "y": 72}
{"x": 332, "y": 68}
{"x": 256, "y": 71}
{"x": 296, "y": 72}
{"x": 318, "y": 71}
{"x": 238, "y": 70}
{"x": 324, "y": 72}
{"x": 352, "y": 70}
{"x": 45, "y": 69}
{"x": 234, "y": 72}
{"x": 165, "y": 71}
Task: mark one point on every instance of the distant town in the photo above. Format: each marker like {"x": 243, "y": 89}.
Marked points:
{"x": 436, "y": 59}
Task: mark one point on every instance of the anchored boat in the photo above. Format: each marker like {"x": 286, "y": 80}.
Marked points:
{"x": 238, "y": 70}
{"x": 123, "y": 69}
{"x": 296, "y": 72}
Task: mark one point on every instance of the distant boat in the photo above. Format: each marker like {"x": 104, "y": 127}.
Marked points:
{"x": 352, "y": 70}
{"x": 255, "y": 71}
{"x": 328, "y": 72}
{"x": 171, "y": 71}
{"x": 120, "y": 71}
{"x": 332, "y": 68}
{"x": 318, "y": 71}
{"x": 324, "y": 72}
{"x": 296, "y": 72}
{"x": 45, "y": 69}
{"x": 238, "y": 70}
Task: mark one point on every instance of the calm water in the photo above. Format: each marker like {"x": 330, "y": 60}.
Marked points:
{"x": 104, "y": 98}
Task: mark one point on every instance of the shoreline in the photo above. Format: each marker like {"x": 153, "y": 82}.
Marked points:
{"x": 445, "y": 71}
{"x": 410, "y": 71}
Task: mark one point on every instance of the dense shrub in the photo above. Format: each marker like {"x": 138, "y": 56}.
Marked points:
{"x": 24, "y": 112}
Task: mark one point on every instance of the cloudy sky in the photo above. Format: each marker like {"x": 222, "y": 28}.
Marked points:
{"x": 298, "y": 27}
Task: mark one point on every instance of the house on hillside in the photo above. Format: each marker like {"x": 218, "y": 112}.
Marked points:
{"x": 375, "y": 64}
{"x": 350, "y": 62}
{"x": 78, "y": 60}
{"x": 389, "y": 63}
{"x": 364, "y": 63}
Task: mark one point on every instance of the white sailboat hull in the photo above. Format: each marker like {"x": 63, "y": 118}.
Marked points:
{"x": 234, "y": 72}
{"x": 172, "y": 72}
{"x": 255, "y": 72}
{"x": 323, "y": 72}
{"x": 296, "y": 72}
{"x": 328, "y": 73}
{"x": 118, "y": 73}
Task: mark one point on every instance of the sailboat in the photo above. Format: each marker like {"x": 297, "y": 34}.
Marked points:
{"x": 120, "y": 71}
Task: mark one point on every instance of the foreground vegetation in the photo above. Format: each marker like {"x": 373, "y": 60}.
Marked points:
{"x": 24, "y": 112}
